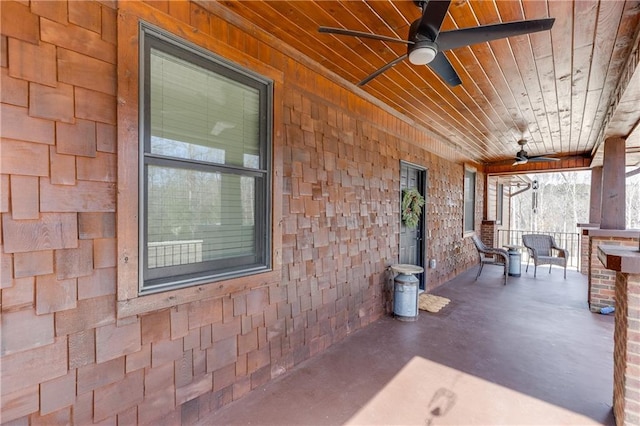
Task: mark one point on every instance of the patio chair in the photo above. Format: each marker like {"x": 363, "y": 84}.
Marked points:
{"x": 491, "y": 256}
{"x": 544, "y": 251}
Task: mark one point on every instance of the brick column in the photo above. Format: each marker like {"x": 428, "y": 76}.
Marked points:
{"x": 626, "y": 355}
{"x": 584, "y": 246}
{"x": 489, "y": 232}
{"x": 602, "y": 281}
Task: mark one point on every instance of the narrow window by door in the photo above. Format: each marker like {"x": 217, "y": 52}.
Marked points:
{"x": 413, "y": 240}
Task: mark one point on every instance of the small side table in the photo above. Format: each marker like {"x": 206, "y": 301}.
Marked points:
{"x": 514, "y": 260}
{"x": 405, "y": 291}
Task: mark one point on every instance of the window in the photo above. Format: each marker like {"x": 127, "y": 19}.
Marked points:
{"x": 499, "y": 203}
{"x": 204, "y": 166}
{"x": 469, "y": 200}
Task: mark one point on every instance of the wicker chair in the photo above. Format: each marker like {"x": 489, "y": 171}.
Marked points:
{"x": 491, "y": 256}
{"x": 544, "y": 251}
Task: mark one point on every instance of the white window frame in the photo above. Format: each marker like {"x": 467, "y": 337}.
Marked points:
{"x": 499, "y": 202}
{"x": 470, "y": 179}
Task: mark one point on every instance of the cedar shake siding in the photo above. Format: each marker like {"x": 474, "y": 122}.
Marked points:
{"x": 79, "y": 345}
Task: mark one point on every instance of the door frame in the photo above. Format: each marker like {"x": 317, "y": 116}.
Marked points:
{"x": 423, "y": 174}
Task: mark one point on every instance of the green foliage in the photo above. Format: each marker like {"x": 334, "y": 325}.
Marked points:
{"x": 412, "y": 203}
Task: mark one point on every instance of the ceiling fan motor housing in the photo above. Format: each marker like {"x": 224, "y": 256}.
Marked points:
{"x": 521, "y": 155}
{"x": 423, "y": 49}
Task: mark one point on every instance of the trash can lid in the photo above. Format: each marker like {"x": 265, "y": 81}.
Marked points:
{"x": 407, "y": 269}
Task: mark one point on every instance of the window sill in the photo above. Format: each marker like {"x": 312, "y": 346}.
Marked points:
{"x": 153, "y": 302}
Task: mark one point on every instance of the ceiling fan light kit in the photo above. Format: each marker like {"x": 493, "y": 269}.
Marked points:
{"x": 425, "y": 42}
{"x": 422, "y": 52}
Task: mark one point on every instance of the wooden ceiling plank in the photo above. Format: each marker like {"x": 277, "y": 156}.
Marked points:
{"x": 584, "y": 23}
{"x": 260, "y": 14}
{"x": 388, "y": 51}
{"x": 561, "y": 32}
{"x": 592, "y": 106}
{"x": 461, "y": 105}
{"x": 427, "y": 97}
{"x": 301, "y": 13}
{"x": 509, "y": 86}
{"x": 371, "y": 20}
{"x": 546, "y": 78}
{"x": 440, "y": 89}
{"x": 546, "y": 75}
{"x": 406, "y": 8}
{"x": 609, "y": 15}
{"x": 347, "y": 51}
{"x": 482, "y": 108}
{"x": 540, "y": 44}
{"x": 390, "y": 83}
{"x": 624, "y": 31}
{"x": 584, "y": 27}
{"x": 496, "y": 131}
{"x": 500, "y": 52}
{"x": 465, "y": 62}
{"x": 459, "y": 120}
{"x": 346, "y": 18}
{"x": 510, "y": 10}
{"x": 398, "y": 78}
{"x": 487, "y": 93}
{"x": 493, "y": 77}
{"x": 626, "y": 116}
{"x": 447, "y": 130}
{"x": 523, "y": 53}
{"x": 478, "y": 87}
{"x": 580, "y": 81}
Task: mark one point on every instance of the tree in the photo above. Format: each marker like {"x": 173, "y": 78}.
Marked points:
{"x": 563, "y": 201}
{"x": 633, "y": 202}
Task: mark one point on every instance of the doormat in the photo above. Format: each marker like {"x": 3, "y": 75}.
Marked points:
{"x": 432, "y": 303}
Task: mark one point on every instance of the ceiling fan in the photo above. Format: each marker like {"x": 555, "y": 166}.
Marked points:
{"x": 425, "y": 42}
{"x": 523, "y": 158}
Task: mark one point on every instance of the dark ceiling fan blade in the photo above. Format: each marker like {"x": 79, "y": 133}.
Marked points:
{"x": 508, "y": 162}
{"x": 381, "y": 70}
{"x": 341, "y": 31}
{"x": 541, "y": 159}
{"x": 441, "y": 66}
{"x": 432, "y": 16}
{"x": 468, "y": 36}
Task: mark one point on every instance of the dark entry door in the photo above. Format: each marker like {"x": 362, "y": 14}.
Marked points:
{"x": 412, "y": 241}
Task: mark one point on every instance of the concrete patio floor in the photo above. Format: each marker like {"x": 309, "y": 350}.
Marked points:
{"x": 527, "y": 353}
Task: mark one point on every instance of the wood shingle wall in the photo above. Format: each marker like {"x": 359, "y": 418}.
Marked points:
{"x": 69, "y": 355}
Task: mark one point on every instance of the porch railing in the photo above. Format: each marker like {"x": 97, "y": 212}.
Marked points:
{"x": 566, "y": 240}
{"x": 173, "y": 253}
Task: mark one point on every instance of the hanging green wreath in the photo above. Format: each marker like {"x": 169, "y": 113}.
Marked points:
{"x": 412, "y": 203}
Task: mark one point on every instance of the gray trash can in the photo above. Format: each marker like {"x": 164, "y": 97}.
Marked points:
{"x": 405, "y": 297}
{"x": 514, "y": 263}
